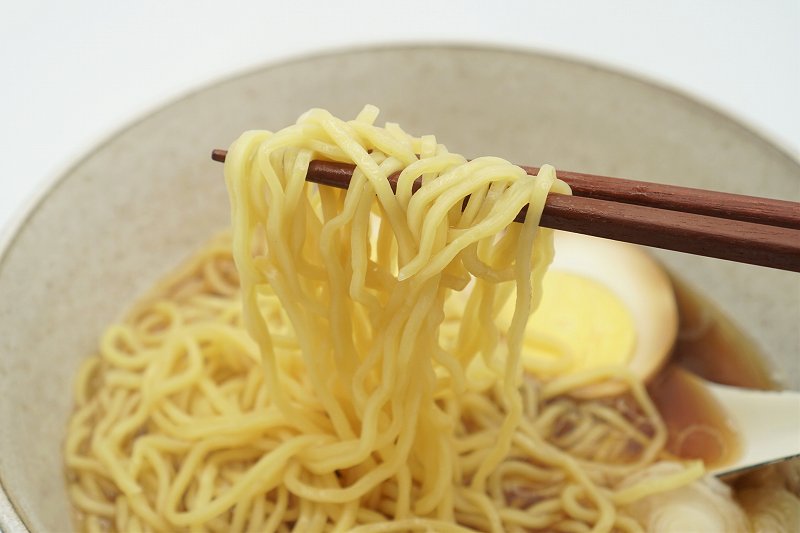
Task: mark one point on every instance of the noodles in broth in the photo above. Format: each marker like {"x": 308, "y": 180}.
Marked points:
{"x": 348, "y": 373}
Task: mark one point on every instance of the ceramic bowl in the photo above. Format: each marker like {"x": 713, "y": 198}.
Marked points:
{"x": 130, "y": 210}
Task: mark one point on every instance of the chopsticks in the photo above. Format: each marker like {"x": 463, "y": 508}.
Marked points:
{"x": 745, "y": 229}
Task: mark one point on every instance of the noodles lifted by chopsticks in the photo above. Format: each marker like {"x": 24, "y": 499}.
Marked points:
{"x": 374, "y": 391}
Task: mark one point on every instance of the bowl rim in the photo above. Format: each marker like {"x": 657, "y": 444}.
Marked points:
{"x": 11, "y": 519}
{"x": 31, "y": 203}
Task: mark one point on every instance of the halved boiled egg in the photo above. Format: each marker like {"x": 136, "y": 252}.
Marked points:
{"x": 604, "y": 304}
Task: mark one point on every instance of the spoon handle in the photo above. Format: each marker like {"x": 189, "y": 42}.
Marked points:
{"x": 768, "y": 423}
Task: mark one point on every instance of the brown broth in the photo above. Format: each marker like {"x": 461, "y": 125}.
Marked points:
{"x": 697, "y": 424}
{"x": 711, "y": 347}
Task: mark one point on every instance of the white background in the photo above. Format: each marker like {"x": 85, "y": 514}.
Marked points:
{"x": 74, "y": 71}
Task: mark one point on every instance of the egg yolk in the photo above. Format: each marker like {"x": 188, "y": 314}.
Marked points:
{"x": 580, "y": 324}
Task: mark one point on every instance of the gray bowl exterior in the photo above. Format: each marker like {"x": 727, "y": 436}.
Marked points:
{"x": 144, "y": 199}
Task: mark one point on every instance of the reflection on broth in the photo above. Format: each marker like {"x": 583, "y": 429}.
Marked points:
{"x": 712, "y": 347}
{"x": 698, "y": 426}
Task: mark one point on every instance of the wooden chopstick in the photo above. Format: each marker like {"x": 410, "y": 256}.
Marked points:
{"x": 745, "y": 229}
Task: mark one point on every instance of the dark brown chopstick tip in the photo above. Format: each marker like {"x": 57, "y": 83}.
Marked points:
{"x": 219, "y": 155}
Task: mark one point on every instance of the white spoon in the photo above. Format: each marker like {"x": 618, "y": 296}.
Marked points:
{"x": 767, "y": 422}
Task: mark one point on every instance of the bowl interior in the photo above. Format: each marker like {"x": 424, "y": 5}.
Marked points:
{"x": 144, "y": 199}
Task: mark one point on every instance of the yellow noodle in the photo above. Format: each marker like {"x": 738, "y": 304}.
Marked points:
{"x": 327, "y": 382}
